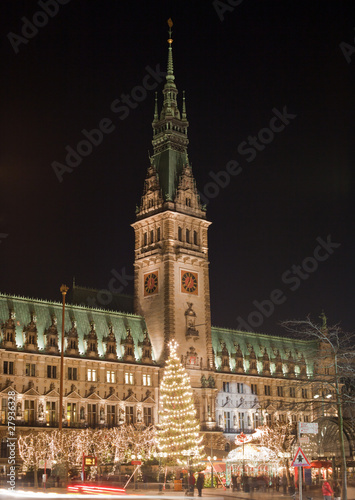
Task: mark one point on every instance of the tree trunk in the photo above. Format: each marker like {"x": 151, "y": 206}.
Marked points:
{"x": 35, "y": 476}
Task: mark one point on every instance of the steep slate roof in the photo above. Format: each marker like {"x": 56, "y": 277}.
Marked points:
{"x": 44, "y": 310}
{"x": 92, "y": 297}
{"x": 260, "y": 342}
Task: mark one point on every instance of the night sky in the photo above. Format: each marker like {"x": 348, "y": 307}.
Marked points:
{"x": 240, "y": 67}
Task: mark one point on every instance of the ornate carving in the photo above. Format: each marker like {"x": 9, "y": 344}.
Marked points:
{"x": 110, "y": 344}
{"x": 190, "y": 320}
{"x": 31, "y": 334}
{"x": 9, "y": 332}
{"x": 51, "y": 335}
{"x": 146, "y": 348}
{"x": 91, "y": 342}
{"x": 72, "y": 347}
{"x": 224, "y": 354}
{"x": 128, "y": 344}
{"x": 239, "y": 360}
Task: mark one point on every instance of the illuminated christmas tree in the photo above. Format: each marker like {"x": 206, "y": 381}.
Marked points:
{"x": 178, "y": 429}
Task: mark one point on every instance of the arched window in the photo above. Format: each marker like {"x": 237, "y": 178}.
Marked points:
{"x": 187, "y": 236}
{"x": 179, "y": 234}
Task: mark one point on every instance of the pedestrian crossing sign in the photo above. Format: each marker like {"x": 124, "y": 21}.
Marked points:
{"x": 300, "y": 459}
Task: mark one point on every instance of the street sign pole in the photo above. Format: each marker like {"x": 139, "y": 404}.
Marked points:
{"x": 300, "y": 470}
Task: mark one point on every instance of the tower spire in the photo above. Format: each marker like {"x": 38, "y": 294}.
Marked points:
{"x": 170, "y": 69}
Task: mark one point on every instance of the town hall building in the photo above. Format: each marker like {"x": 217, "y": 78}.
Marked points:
{"x": 114, "y": 358}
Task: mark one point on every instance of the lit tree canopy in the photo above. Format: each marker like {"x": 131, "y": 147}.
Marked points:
{"x": 178, "y": 430}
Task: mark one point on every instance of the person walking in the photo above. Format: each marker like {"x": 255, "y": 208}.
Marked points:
{"x": 327, "y": 491}
{"x": 191, "y": 484}
{"x": 199, "y": 483}
{"x": 337, "y": 490}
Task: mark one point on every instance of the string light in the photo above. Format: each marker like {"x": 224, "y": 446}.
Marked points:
{"x": 178, "y": 429}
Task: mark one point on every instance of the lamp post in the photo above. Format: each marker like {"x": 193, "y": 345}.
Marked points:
{"x": 63, "y": 290}
{"x": 133, "y": 457}
{"x": 210, "y": 460}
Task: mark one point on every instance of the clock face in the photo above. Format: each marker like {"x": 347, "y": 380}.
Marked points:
{"x": 189, "y": 282}
{"x": 150, "y": 283}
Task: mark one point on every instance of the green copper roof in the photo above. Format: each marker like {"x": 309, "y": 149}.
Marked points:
{"x": 169, "y": 165}
{"x": 84, "y": 316}
{"x": 260, "y": 343}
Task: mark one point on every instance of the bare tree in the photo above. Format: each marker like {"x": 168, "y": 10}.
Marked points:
{"x": 333, "y": 356}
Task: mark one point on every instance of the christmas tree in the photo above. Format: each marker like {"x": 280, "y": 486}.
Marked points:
{"x": 178, "y": 429}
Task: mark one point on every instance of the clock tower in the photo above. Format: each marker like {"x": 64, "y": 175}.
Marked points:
{"x": 171, "y": 287}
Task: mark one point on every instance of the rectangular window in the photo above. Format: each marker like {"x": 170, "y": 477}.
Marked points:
{"x": 267, "y": 390}
{"x": 241, "y": 420}
{"x": 4, "y": 405}
{"x": 280, "y": 391}
{"x": 148, "y": 416}
{"x": 268, "y": 420}
{"x": 110, "y": 377}
{"x": 255, "y": 420}
{"x": 304, "y": 393}
{"x": 282, "y": 418}
{"x": 227, "y": 420}
{"x": 254, "y": 389}
{"x": 225, "y": 386}
{"x": 92, "y": 415}
{"x": 158, "y": 234}
{"x": 152, "y": 236}
{"x": 292, "y": 392}
{"x": 147, "y": 380}
{"x": 51, "y": 371}
{"x": 294, "y": 418}
{"x": 50, "y": 413}
{"x": 91, "y": 374}
{"x": 306, "y": 418}
{"x": 8, "y": 367}
{"x": 30, "y": 370}
{"x": 195, "y": 238}
{"x": 72, "y": 373}
{"x": 240, "y": 388}
{"x": 128, "y": 378}
{"x": 111, "y": 415}
{"x": 29, "y": 412}
{"x": 129, "y": 415}
{"x": 71, "y": 414}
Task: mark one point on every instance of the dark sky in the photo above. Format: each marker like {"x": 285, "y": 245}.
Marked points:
{"x": 295, "y": 190}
